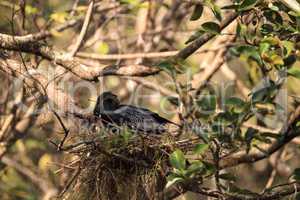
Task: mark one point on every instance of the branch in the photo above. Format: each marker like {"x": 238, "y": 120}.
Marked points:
{"x": 292, "y": 4}
{"x": 190, "y": 49}
{"x": 152, "y": 85}
{"x": 218, "y": 62}
{"x": 63, "y": 59}
{"x": 20, "y": 128}
{"x": 283, "y": 191}
{"x": 159, "y": 54}
{"x": 181, "y": 188}
{"x": 84, "y": 28}
{"x": 126, "y": 56}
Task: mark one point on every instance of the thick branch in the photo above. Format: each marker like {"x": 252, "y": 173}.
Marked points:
{"x": 63, "y": 59}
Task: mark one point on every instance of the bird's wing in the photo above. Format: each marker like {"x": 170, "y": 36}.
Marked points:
{"x": 140, "y": 119}
{"x": 145, "y": 111}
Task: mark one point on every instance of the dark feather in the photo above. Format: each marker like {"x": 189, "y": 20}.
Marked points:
{"x": 136, "y": 118}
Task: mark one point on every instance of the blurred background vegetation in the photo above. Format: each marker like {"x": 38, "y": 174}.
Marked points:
{"x": 32, "y": 168}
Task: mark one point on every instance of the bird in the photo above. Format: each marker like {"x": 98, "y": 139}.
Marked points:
{"x": 112, "y": 112}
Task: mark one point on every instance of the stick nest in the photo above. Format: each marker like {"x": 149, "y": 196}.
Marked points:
{"x": 121, "y": 165}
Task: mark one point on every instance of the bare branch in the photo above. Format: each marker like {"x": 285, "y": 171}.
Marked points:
{"x": 84, "y": 28}
{"x": 63, "y": 59}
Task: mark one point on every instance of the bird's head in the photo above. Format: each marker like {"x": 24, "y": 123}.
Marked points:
{"x": 106, "y": 102}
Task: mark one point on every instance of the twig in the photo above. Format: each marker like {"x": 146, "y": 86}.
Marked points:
{"x": 292, "y": 4}
{"x": 260, "y": 128}
{"x": 84, "y": 28}
{"x": 66, "y": 131}
{"x": 162, "y": 54}
{"x": 76, "y": 174}
{"x": 152, "y": 85}
{"x": 210, "y": 71}
{"x": 274, "y": 171}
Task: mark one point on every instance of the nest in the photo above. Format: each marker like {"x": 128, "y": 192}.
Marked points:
{"x": 123, "y": 165}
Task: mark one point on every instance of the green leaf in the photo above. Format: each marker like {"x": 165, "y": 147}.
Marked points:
{"x": 273, "y": 7}
{"x": 266, "y": 29}
{"x": 217, "y": 12}
{"x": 126, "y": 135}
{"x": 34, "y": 144}
{"x": 211, "y": 27}
{"x": 178, "y": 160}
{"x": 247, "y": 5}
{"x": 271, "y": 135}
{"x": 273, "y": 17}
{"x": 271, "y": 40}
{"x": 276, "y": 59}
{"x": 195, "y": 35}
{"x": 214, "y": 8}
{"x": 264, "y": 47}
{"x": 288, "y": 46}
{"x": 207, "y": 103}
{"x": 209, "y": 167}
{"x": 200, "y": 148}
{"x": 296, "y": 174}
{"x": 235, "y": 101}
{"x": 130, "y": 2}
{"x": 295, "y": 72}
{"x": 241, "y": 30}
{"x": 166, "y": 65}
{"x": 172, "y": 179}
{"x": 260, "y": 95}
{"x": 29, "y": 10}
{"x": 202, "y": 133}
{"x": 227, "y": 176}
{"x": 295, "y": 14}
{"x": 229, "y": 7}
{"x": 198, "y": 10}
{"x": 224, "y": 119}
{"x": 249, "y": 51}
{"x": 59, "y": 17}
{"x": 195, "y": 167}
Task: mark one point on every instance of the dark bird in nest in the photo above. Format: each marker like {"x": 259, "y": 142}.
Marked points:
{"x": 111, "y": 112}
